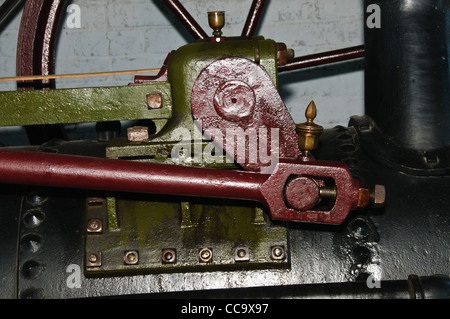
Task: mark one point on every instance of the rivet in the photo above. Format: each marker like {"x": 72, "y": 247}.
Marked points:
{"x": 241, "y": 254}
{"x": 31, "y": 269}
{"x": 31, "y": 243}
{"x": 94, "y": 225}
{"x": 94, "y": 259}
{"x": 169, "y": 256}
{"x": 36, "y": 198}
{"x": 205, "y": 255}
{"x": 32, "y": 293}
{"x": 277, "y": 253}
{"x": 131, "y": 257}
{"x": 33, "y": 217}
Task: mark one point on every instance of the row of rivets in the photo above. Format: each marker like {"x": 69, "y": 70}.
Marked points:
{"x": 31, "y": 242}
{"x": 169, "y": 256}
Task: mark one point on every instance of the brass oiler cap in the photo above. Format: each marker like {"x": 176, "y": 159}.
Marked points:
{"x": 309, "y": 132}
{"x": 216, "y": 20}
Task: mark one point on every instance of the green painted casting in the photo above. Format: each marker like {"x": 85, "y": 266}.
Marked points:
{"x": 40, "y": 107}
{"x": 151, "y": 224}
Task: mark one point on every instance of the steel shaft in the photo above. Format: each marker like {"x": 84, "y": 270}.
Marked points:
{"x": 57, "y": 170}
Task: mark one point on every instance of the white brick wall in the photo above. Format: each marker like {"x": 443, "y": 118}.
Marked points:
{"x": 134, "y": 34}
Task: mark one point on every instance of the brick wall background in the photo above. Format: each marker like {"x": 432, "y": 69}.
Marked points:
{"x": 138, "y": 34}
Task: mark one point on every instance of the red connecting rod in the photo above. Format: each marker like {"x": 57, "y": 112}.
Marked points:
{"x": 69, "y": 171}
{"x": 289, "y": 192}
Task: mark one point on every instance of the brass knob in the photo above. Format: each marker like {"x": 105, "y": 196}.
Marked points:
{"x": 309, "y": 132}
{"x": 216, "y": 20}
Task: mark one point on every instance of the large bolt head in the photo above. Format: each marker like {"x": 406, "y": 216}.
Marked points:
{"x": 302, "y": 193}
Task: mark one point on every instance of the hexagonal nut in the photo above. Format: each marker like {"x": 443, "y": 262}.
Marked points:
{"x": 308, "y": 141}
{"x": 378, "y": 196}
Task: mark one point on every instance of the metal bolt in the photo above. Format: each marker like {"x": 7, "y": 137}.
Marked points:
{"x": 284, "y": 55}
{"x": 277, "y": 253}
{"x": 205, "y": 255}
{"x": 241, "y": 254}
{"x": 378, "y": 196}
{"x": 94, "y": 259}
{"x": 363, "y": 197}
{"x": 169, "y": 256}
{"x": 154, "y": 101}
{"x": 137, "y": 133}
{"x": 131, "y": 257}
{"x": 94, "y": 225}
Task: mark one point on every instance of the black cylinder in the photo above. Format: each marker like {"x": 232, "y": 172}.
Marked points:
{"x": 407, "y": 79}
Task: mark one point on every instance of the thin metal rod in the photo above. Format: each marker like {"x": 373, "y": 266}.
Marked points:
{"x": 70, "y": 171}
{"x": 75, "y": 75}
{"x": 8, "y": 9}
{"x": 253, "y": 18}
{"x": 323, "y": 58}
{"x": 188, "y": 21}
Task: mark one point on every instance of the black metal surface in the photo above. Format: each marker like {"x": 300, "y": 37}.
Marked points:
{"x": 415, "y": 287}
{"x": 11, "y": 200}
{"x": 410, "y": 236}
{"x": 407, "y": 84}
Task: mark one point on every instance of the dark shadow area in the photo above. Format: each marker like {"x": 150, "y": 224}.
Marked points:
{"x": 315, "y": 73}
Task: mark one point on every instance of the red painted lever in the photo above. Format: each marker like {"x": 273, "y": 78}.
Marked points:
{"x": 290, "y": 192}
